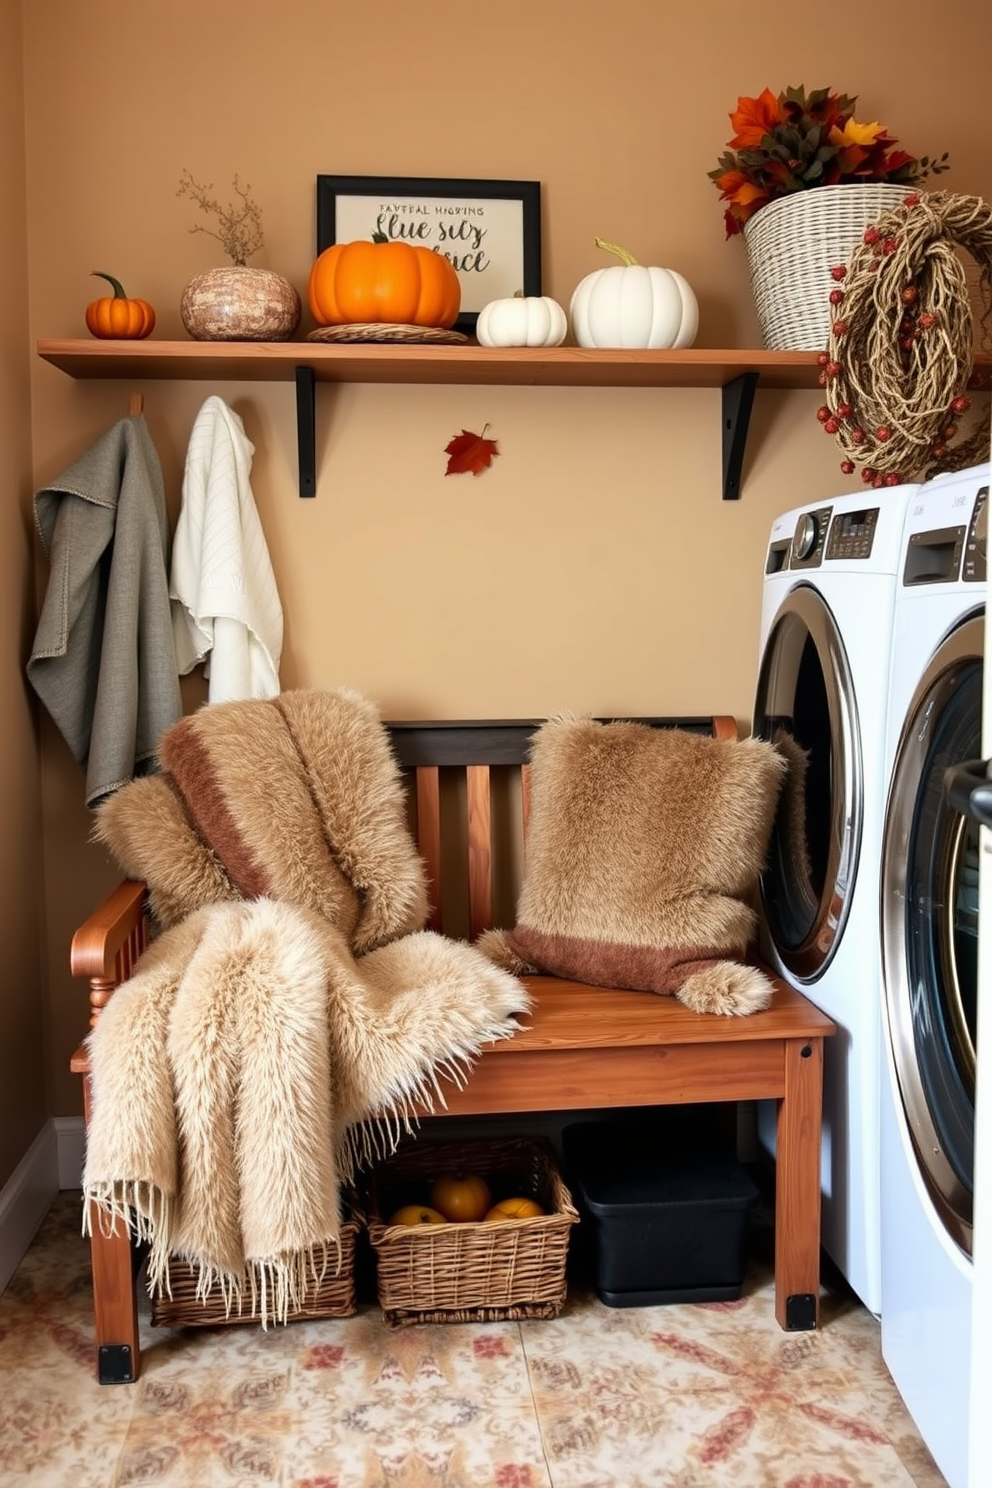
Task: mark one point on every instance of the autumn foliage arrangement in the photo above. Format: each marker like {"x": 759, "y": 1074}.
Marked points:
{"x": 797, "y": 141}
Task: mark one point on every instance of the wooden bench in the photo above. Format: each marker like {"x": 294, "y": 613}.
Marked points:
{"x": 582, "y": 1048}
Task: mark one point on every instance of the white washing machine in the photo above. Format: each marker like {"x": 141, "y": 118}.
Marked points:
{"x": 827, "y": 608}
{"x": 929, "y": 920}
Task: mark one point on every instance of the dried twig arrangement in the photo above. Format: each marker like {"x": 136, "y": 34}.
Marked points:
{"x": 239, "y": 224}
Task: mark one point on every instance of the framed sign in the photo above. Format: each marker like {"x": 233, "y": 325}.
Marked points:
{"x": 490, "y": 230}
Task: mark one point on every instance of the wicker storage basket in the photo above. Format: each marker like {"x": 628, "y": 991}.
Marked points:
{"x": 471, "y": 1272}
{"x": 333, "y": 1296}
{"x": 793, "y": 243}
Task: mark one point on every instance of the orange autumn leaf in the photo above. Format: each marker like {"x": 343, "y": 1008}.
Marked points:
{"x": 753, "y": 118}
{"x": 468, "y": 451}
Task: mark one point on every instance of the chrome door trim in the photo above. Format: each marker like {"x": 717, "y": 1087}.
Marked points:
{"x": 804, "y": 612}
{"x": 965, "y": 645}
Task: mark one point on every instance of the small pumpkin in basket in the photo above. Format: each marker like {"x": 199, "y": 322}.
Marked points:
{"x": 380, "y": 282}
{"x": 518, "y": 1208}
{"x": 461, "y": 1197}
{"x": 417, "y": 1214}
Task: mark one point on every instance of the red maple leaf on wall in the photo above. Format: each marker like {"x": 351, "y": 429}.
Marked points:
{"x": 468, "y": 451}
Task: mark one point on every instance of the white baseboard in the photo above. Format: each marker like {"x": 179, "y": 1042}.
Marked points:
{"x": 52, "y": 1162}
{"x": 70, "y": 1132}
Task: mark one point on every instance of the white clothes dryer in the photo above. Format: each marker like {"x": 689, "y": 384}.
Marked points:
{"x": 929, "y": 922}
{"x": 826, "y": 621}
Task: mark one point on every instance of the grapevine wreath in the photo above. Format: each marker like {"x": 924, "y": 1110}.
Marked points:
{"x": 898, "y": 363}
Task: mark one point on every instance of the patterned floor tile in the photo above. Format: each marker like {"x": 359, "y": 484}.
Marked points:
{"x": 705, "y": 1396}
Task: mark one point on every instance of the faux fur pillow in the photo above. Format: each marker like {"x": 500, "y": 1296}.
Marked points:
{"x": 642, "y": 858}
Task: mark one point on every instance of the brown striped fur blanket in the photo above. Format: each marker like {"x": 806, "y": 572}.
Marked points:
{"x": 290, "y": 995}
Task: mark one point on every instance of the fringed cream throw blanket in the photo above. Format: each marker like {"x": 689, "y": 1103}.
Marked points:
{"x": 290, "y": 996}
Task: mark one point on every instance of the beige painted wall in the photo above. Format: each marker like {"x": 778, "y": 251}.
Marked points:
{"x": 24, "y": 1103}
{"x": 595, "y": 565}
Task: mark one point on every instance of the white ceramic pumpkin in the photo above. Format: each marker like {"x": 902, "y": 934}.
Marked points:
{"x": 631, "y": 305}
{"x": 531, "y": 320}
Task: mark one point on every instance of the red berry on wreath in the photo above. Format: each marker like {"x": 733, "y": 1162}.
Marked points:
{"x": 927, "y": 319}
{"x": 960, "y": 404}
{"x": 949, "y": 431}
{"x": 843, "y": 410}
{"x": 883, "y": 434}
{"x": 833, "y": 369}
{"x": 888, "y": 245}
{"x": 913, "y": 200}
{"x": 909, "y": 295}
{"x": 858, "y": 435}
{"x": 832, "y": 426}
{"x": 838, "y": 271}
{"x": 823, "y": 413}
{"x": 892, "y": 478}
{"x": 939, "y": 451}
{"x": 847, "y": 466}
{"x": 839, "y": 329}
{"x": 836, "y": 296}
{"x": 872, "y": 234}
{"x": 822, "y": 358}
{"x": 867, "y": 475}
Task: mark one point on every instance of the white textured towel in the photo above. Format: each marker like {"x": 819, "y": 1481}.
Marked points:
{"x": 225, "y": 605}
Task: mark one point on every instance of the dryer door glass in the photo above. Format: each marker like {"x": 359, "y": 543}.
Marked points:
{"x": 930, "y": 928}
{"x": 805, "y": 706}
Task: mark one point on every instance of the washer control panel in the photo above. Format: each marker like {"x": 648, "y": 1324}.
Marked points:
{"x": 809, "y": 537}
{"x": 820, "y": 536}
{"x": 852, "y": 534}
{"x": 975, "y": 568}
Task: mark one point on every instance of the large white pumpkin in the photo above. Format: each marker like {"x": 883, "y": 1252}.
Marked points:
{"x": 531, "y": 320}
{"x": 632, "y": 305}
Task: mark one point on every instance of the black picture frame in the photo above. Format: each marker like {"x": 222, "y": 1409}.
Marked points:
{"x": 497, "y": 250}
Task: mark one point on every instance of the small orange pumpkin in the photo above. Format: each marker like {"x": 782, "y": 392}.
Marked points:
{"x": 417, "y": 1214}
{"x": 521, "y": 1208}
{"x": 383, "y": 282}
{"x": 118, "y": 318}
{"x": 461, "y": 1196}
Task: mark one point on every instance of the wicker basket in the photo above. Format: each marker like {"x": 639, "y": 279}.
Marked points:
{"x": 471, "y": 1272}
{"x": 332, "y": 1297}
{"x": 793, "y": 243}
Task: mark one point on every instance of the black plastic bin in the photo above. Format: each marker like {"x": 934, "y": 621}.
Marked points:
{"x": 666, "y": 1221}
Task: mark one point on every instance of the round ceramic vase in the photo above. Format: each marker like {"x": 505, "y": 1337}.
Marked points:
{"x": 239, "y": 303}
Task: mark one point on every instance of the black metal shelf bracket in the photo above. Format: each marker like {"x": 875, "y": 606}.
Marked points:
{"x": 738, "y": 398}
{"x": 306, "y": 430}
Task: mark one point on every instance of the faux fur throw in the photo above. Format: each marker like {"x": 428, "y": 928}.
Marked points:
{"x": 642, "y": 858}
{"x": 296, "y": 798}
{"x": 234, "y": 1074}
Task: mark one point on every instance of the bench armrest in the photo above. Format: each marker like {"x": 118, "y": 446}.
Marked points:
{"x": 106, "y": 946}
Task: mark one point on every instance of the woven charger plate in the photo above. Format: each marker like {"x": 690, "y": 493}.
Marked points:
{"x": 380, "y": 332}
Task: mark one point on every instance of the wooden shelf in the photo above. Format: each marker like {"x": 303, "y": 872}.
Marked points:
{"x": 558, "y": 366}
{"x": 738, "y": 374}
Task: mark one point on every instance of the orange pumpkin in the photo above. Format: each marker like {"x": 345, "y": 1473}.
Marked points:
{"x": 515, "y": 1209}
{"x": 119, "y": 318}
{"x": 461, "y": 1196}
{"x": 417, "y": 1214}
{"x": 381, "y": 282}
